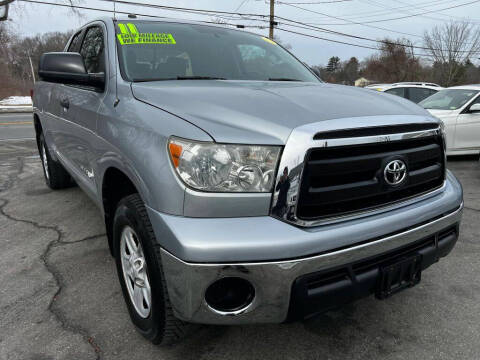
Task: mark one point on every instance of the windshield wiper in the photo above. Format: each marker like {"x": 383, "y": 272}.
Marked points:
{"x": 152, "y": 79}
{"x": 180, "y": 78}
{"x": 282, "y": 79}
{"x": 199, "y": 78}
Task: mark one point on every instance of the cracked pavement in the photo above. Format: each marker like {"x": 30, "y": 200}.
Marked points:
{"x": 60, "y": 297}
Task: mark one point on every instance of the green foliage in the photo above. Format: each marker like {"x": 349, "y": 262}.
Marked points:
{"x": 337, "y": 71}
{"x": 333, "y": 64}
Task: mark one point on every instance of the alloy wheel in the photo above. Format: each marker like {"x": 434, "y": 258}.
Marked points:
{"x": 135, "y": 275}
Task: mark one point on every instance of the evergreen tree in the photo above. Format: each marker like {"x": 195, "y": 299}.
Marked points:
{"x": 333, "y": 63}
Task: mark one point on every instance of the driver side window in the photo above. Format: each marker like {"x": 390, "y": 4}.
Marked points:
{"x": 73, "y": 47}
{"x": 93, "y": 50}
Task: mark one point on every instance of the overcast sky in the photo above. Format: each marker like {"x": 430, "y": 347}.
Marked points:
{"x": 342, "y": 16}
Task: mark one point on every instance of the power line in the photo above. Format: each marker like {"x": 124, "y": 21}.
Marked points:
{"x": 293, "y": 21}
{"x": 240, "y": 5}
{"x": 375, "y": 13}
{"x": 313, "y": 2}
{"x": 315, "y": 28}
{"x": 339, "y": 42}
{"x": 182, "y": 9}
{"x": 129, "y": 12}
{"x": 365, "y": 24}
{"x": 243, "y": 15}
{"x": 308, "y": 26}
{"x": 384, "y": 29}
{"x": 377, "y": 4}
{"x": 382, "y": 20}
{"x": 326, "y": 39}
{"x": 297, "y": 23}
{"x": 356, "y": 23}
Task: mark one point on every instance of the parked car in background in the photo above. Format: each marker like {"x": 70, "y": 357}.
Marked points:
{"x": 378, "y": 87}
{"x": 412, "y": 91}
{"x": 459, "y": 109}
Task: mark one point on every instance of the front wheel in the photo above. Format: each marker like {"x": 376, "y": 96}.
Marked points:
{"x": 139, "y": 268}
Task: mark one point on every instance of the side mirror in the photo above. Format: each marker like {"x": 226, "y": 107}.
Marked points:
{"x": 474, "y": 108}
{"x": 68, "y": 68}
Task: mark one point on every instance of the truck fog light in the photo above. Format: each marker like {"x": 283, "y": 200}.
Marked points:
{"x": 230, "y": 294}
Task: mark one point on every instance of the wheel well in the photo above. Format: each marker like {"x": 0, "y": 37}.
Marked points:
{"x": 116, "y": 185}
{"x": 38, "y": 128}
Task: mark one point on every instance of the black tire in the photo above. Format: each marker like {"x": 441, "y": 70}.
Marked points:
{"x": 55, "y": 174}
{"x": 160, "y": 327}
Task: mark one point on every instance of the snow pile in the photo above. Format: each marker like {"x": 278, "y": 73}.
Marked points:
{"x": 16, "y": 100}
{"x": 16, "y": 104}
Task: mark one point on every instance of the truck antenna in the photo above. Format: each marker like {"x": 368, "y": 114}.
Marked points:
{"x": 116, "y": 101}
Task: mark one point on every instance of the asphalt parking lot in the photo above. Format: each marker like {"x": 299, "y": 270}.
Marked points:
{"x": 60, "y": 297}
{"x": 16, "y": 126}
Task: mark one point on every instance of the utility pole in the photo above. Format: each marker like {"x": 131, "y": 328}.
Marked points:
{"x": 4, "y": 9}
{"x": 272, "y": 18}
{"x": 31, "y": 68}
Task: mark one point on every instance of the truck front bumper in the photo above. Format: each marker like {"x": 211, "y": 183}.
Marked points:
{"x": 296, "y": 271}
{"x": 284, "y": 289}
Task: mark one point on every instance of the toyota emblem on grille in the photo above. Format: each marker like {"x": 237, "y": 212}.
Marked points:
{"x": 395, "y": 172}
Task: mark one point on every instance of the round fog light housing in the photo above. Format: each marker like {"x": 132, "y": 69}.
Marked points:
{"x": 229, "y": 294}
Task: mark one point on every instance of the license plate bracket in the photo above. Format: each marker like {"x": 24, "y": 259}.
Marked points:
{"x": 399, "y": 275}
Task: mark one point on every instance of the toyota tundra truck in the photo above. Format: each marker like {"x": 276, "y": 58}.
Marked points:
{"x": 237, "y": 187}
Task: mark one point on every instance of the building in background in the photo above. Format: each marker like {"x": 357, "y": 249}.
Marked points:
{"x": 362, "y": 82}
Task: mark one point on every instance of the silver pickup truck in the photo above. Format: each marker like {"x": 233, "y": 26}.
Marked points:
{"x": 235, "y": 185}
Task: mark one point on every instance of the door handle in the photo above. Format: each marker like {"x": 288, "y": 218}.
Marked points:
{"x": 65, "y": 103}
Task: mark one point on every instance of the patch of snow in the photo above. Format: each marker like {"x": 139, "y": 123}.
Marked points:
{"x": 16, "y": 100}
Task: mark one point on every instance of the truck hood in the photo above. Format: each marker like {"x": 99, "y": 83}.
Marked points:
{"x": 257, "y": 112}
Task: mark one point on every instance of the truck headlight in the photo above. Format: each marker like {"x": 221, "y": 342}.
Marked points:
{"x": 224, "y": 167}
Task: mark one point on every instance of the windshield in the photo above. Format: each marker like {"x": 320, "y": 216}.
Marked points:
{"x": 169, "y": 51}
{"x": 449, "y": 99}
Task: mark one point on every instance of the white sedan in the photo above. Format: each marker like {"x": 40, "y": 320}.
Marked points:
{"x": 459, "y": 109}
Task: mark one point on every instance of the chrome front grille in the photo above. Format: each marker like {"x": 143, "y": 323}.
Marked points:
{"x": 336, "y": 172}
{"x": 340, "y": 180}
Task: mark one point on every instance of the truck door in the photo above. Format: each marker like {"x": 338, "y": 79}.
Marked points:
{"x": 80, "y": 105}
{"x": 57, "y": 127}
{"x": 467, "y": 132}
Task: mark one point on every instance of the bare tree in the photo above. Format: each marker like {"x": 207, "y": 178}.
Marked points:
{"x": 16, "y": 76}
{"x": 396, "y": 62}
{"x": 18, "y": 8}
{"x": 450, "y": 46}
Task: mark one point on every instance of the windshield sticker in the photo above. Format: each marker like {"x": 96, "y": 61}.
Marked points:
{"x": 268, "y": 40}
{"x": 129, "y": 35}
